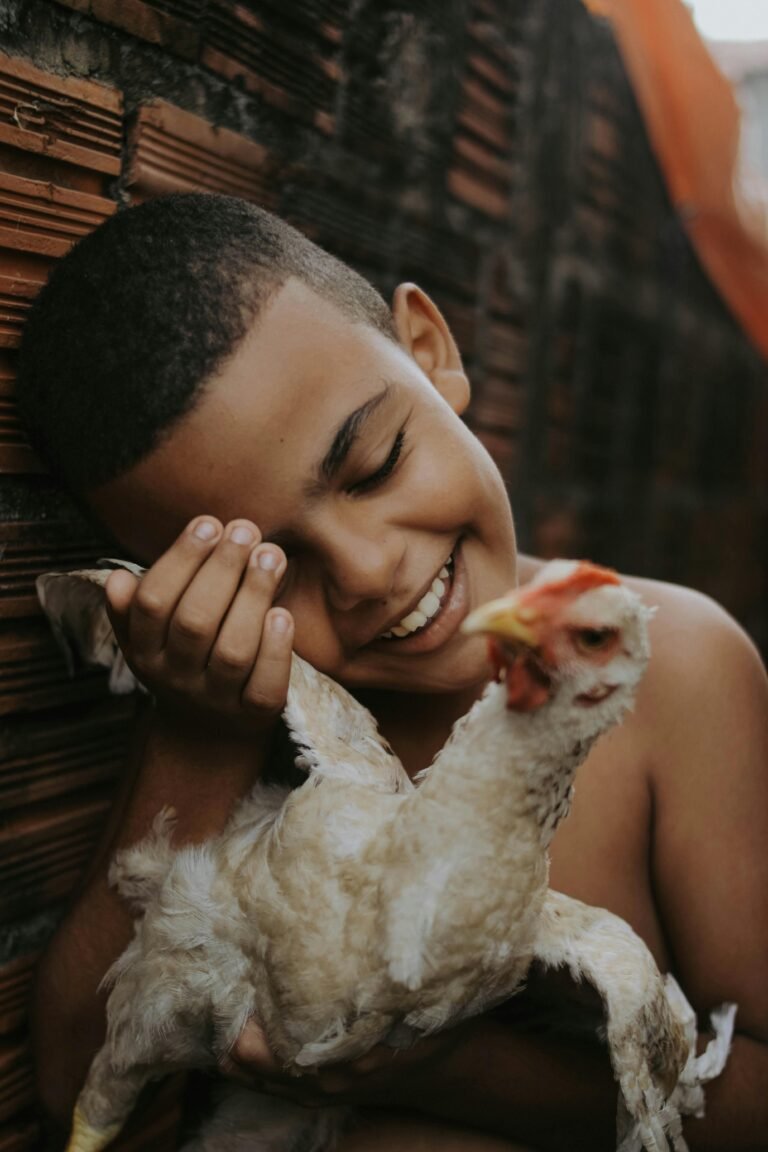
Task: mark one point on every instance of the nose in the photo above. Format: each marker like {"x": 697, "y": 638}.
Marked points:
{"x": 361, "y": 568}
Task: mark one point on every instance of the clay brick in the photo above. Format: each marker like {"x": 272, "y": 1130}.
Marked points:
{"x": 29, "y": 548}
{"x": 81, "y": 748}
{"x": 172, "y": 150}
{"x": 484, "y": 31}
{"x": 483, "y": 158}
{"x": 494, "y": 132}
{"x": 33, "y": 673}
{"x": 16, "y": 1079}
{"x": 16, "y": 296}
{"x": 21, "y": 1136}
{"x": 68, "y": 119}
{"x": 500, "y": 80}
{"x": 44, "y": 850}
{"x": 15, "y": 983}
{"x": 294, "y": 72}
{"x": 493, "y": 166}
{"x": 15, "y": 453}
{"x": 44, "y": 218}
{"x": 177, "y": 30}
{"x": 477, "y": 194}
{"x": 559, "y": 530}
{"x": 505, "y": 348}
{"x": 498, "y": 405}
{"x": 61, "y": 141}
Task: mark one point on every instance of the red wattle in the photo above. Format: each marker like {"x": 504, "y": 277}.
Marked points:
{"x": 528, "y": 686}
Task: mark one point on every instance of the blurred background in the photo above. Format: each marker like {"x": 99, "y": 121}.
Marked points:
{"x": 492, "y": 150}
{"x": 737, "y": 36}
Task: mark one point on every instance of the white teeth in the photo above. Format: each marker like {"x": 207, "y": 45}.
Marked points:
{"x": 429, "y": 604}
{"x": 426, "y": 608}
{"x": 413, "y": 620}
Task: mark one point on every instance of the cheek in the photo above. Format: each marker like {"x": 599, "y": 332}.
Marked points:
{"x": 475, "y": 470}
{"x": 454, "y": 477}
{"x": 314, "y": 638}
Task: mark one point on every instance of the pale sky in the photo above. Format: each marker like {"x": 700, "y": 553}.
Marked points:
{"x": 731, "y": 19}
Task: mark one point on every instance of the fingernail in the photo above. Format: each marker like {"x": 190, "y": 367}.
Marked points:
{"x": 205, "y": 530}
{"x": 268, "y": 560}
{"x": 241, "y": 535}
{"x": 280, "y": 623}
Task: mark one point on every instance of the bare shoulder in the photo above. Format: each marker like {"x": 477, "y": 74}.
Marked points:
{"x": 704, "y": 667}
{"x": 703, "y": 709}
{"x": 692, "y": 616}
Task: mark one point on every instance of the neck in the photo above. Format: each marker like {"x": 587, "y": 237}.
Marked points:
{"x": 526, "y": 761}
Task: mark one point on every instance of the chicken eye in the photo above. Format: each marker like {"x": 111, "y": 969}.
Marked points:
{"x": 594, "y": 639}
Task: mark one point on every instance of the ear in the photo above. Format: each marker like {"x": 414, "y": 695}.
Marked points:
{"x": 423, "y": 332}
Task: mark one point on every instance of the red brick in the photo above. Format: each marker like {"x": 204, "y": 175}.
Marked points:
{"x": 172, "y": 150}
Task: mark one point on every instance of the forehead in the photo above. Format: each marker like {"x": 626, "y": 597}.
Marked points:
{"x": 262, "y": 422}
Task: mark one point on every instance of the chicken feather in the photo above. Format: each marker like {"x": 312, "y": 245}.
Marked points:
{"x": 357, "y": 908}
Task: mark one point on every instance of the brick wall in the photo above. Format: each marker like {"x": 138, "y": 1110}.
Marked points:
{"x": 490, "y": 150}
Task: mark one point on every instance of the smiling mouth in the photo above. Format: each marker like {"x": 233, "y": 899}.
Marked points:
{"x": 427, "y": 608}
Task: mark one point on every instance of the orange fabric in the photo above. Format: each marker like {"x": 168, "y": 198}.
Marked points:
{"x": 693, "y": 123}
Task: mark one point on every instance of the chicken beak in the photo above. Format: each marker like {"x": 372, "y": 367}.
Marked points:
{"x": 504, "y": 618}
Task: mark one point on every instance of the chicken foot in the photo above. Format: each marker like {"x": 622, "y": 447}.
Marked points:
{"x": 109, "y": 1100}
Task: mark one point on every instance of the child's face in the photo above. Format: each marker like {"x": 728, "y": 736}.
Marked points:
{"x": 347, "y": 450}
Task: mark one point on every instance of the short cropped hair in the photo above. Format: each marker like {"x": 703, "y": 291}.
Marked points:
{"x": 142, "y": 312}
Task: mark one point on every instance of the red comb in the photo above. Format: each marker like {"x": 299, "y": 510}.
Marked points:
{"x": 584, "y": 577}
{"x": 587, "y": 575}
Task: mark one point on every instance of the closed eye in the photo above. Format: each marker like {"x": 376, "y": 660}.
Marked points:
{"x": 384, "y": 472}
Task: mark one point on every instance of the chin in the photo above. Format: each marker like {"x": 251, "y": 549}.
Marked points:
{"x": 463, "y": 668}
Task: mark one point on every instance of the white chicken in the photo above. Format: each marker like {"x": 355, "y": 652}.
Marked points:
{"x": 359, "y": 908}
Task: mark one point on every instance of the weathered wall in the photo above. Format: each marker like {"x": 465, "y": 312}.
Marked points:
{"x": 490, "y": 150}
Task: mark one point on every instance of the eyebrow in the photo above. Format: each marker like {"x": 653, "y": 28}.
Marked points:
{"x": 344, "y": 439}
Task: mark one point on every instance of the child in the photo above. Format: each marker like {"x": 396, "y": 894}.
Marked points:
{"x": 248, "y": 418}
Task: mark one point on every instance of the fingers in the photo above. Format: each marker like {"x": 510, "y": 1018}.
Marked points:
{"x": 159, "y": 596}
{"x": 199, "y": 621}
{"x": 252, "y": 1061}
{"x": 370, "y": 1078}
{"x": 252, "y": 1050}
{"x": 340, "y": 1079}
{"x": 200, "y": 624}
{"x": 251, "y": 654}
{"x": 267, "y": 687}
{"x": 120, "y": 589}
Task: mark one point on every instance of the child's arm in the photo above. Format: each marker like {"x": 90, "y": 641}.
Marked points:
{"x": 534, "y": 1089}
{"x": 177, "y": 627}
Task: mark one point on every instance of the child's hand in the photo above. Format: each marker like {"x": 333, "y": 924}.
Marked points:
{"x": 199, "y": 629}
{"x": 383, "y": 1076}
